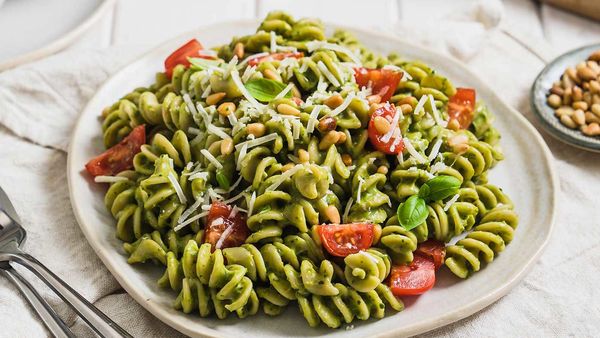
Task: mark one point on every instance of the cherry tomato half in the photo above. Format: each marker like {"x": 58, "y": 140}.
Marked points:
{"x": 342, "y": 240}
{"x": 461, "y": 106}
{"x": 392, "y": 145}
{"x": 275, "y": 57}
{"x": 223, "y": 222}
{"x": 433, "y": 249}
{"x": 414, "y": 279}
{"x": 180, "y": 56}
{"x": 120, "y": 156}
{"x": 382, "y": 81}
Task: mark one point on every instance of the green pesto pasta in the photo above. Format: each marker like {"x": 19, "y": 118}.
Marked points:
{"x": 259, "y": 148}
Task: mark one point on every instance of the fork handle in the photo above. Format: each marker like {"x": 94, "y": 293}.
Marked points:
{"x": 95, "y": 318}
{"x": 55, "y": 325}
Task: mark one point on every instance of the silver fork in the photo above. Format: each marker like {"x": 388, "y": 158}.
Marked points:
{"x": 12, "y": 236}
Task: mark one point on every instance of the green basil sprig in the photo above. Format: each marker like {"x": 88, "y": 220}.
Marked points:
{"x": 265, "y": 90}
{"x": 414, "y": 211}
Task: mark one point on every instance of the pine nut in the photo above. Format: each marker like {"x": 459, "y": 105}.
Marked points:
{"x": 596, "y": 99}
{"x": 215, "y": 98}
{"x": 406, "y": 108}
{"x": 567, "y": 82}
{"x": 567, "y": 121}
{"x": 342, "y": 137}
{"x": 326, "y": 124}
{"x": 226, "y": 146}
{"x": 333, "y": 101}
{"x": 459, "y": 143}
{"x": 580, "y": 105}
{"x": 596, "y": 109}
{"x": 257, "y": 129}
{"x": 238, "y": 50}
{"x": 572, "y": 74}
{"x": 586, "y": 74}
{"x": 595, "y": 56}
{"x": 592, "y": 129}
{"x": 286, "y": 109}
{"x": 557, "y": 90}
{"x": 568, "y": 96}
{"x": 332, "y": 214}
{"x": 554, "y": 101}
{"x": 329, "y": 139}
{"x": 347, "y": 159}
{"x": 577, "y": 94}
{"x": 287, "y": 167}
{"x": 303, "y": 156}
{"x": 381, "y": 125}
{"x": 453, "y": 125}
{"x": 593, "y": 65}
{"x": 587, "y": 98}
{"x": 579, "y": 117}
{"x": 271, "y": 75}
{"x": 226, "y": 108}
{"x": 375, "y": 98}
{"x": 591, "y": 118}
{"x": 382, "y": 170}
{"x": 564, "y": 110}
{"x": 595, "y": 86}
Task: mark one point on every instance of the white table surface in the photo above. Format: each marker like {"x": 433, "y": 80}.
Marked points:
{"x": 537, "y": 29}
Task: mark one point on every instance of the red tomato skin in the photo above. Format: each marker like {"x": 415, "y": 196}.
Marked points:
{"x": 387, "y": 111}
{"x": 414, "y": 279}
{"x": 382, "y": 81}
{"x": 275, "y": 56}
{"x": 120, "y": 156}
{"x": 214, "y": 232}
{"x": 362, "y": 233}
{"x": 180, "y": 56}
{"x": 461, "y": 106}
{"x": 433, "y": 249}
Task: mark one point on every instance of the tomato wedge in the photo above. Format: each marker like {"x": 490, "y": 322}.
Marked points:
{"x": 414, "y": 279}
{"x": 225, "y": 228}
{"x": 180, "y": 56}
{"x": 382, "y": 142}
{"x": 275, "y": 57}
{"x": 120, "y": 156}
{"x": 433, "y": 249}
{"x": 461, "y": 106}
{"x": 342, "y": 240}
{"x": 382, "y": 81}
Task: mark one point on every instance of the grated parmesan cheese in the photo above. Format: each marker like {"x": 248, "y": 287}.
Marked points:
{"x": 313, "y": 45}
{"x": 273, "y": 42}
{"x": 435, "y": 149}
{"x": 190, "y": 220}
{"x": 177, "y": 188}
{"x": 190, "y": 210}
{"x": 211, "y": 158}
{"x": 328, "y": 74}
{"x": 359, "y": 192}
{"x": 204, "y": 114}
{"x": 241, "y": 156}
{"x": 251, "y": 204}
{"x": 206, "y": 92}
{"x": 284, "y": 177}
{"x": 225, "y": 233}
{"x": 284, "y": 92}
{"x": 437, "y": 167}
{"x": 218, "y": 131}
{"x": 257, "y": 141}
{"x": 413, "y": 152}
{"x": 342, "y": 106}
{"x": 420, "y": 104}
{"x": 251, "y": 57}
{"x": 109, "y": 179}
{"x": 451, "y": 201}
{"x": 238, "y": 82}
{"x": 347, "y": 209}
{"x": 436, "y": 114}
{"x": 313, "y": 119}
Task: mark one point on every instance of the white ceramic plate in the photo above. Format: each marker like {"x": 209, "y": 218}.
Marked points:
{"x": 526, "y": 175}
{"x": 44, "y": 26}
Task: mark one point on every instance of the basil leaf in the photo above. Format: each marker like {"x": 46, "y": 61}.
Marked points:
{"x": 200, "y": 63}
{"x": 439, "y": 187}
{"x": 265, "y": 90}
{"x": 412, "y": 212}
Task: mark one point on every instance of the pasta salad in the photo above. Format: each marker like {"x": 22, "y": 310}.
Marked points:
{"x": 291, "y": 168}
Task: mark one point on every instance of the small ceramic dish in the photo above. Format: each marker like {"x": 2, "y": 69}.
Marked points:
{"x": 538, "y": 96}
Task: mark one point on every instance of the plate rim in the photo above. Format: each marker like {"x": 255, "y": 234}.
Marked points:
{"x": 420, "y": 327}
{"x": 555, "y": 129}
{"x": 63, "y": 41}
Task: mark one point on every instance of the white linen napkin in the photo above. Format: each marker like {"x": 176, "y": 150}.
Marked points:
{"x": 39, "y": 104}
